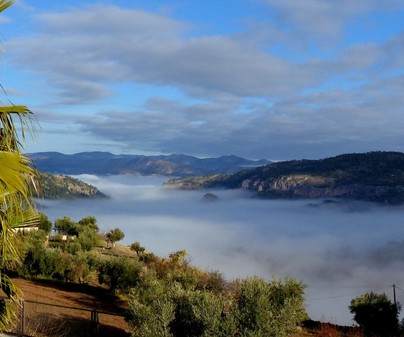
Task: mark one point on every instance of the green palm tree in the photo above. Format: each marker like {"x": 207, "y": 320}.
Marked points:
{"x": 16, "y": 208}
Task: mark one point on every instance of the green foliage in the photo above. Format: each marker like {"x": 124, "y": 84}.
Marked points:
{"x": 66, "y": 225}
{"x": 57, "y": 264}
{"x": 44, "y": 223}
{"x": 376, "y": 315}
{"x": 67, "y": 262}
{"x": 88, "y": 238}
{"x": 177, "y": 269}
{"x": 211, "y": 281}
{"x": 165, "y": 307}
{"x": 161, "y": 308}
{"x": 115, "y": 235}
{"x": 16, "y": 207}
{"x": 200, "y": 313}
{"x": 151, "y": 308}
{"x": 167, "y": 296}
{"x": 119, "y": 273}
{"x": 33, "y": 252}
{"x": 373, "y": 176}
{"x": 73, "y": 247}
{"x": 90, "y": 222}
{"x": 81, "y": 267}
{"x": 269, "y": 309}
{"x": 86, "y": 230}
{"x": 55, "y": 186}
{"x": 137, "y": 247}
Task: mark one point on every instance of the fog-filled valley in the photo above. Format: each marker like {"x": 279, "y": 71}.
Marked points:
{"x": 338, "y": 249}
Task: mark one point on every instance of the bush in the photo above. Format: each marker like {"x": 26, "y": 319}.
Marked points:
{"x": 115, "y": 235}
{"x": 269, "y": 308}
{"x": 88, "y": 238}
{"x": 376, "y": 314}
{"x": 163, "y": 307}
{"x": 44, "y": 223}
{"x": 151, "y": 308}
{"x": 119, "y": 273}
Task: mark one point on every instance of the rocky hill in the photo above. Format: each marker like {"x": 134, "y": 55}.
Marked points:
{"x": 102, "y": 163}
{"x": 373, "y": 176}
{"x": 56, "y": 186}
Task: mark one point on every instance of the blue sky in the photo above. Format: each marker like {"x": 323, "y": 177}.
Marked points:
{"x": 268, "y": 79}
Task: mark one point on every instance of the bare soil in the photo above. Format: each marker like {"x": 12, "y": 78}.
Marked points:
{"x": 66, "y": 309}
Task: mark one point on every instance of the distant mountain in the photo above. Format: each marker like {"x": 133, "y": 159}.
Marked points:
{"x": 103, "y": 163}
{"x": 373, "y": 176}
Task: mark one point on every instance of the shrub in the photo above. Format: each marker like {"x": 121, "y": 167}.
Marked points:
{"x": 163, "y": 307}
{"x": 376, "y": 314}
{"x": 119, "y": 273}
{"x": 269, "y": 308}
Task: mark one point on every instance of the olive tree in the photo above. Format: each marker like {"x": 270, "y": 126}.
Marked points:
{"x": 255, "y": 307}
{"x": 376, "y": 315}
{"x": 90, "y": 222}
{"x": 137, "y": 247}
{"x": 119, "y": 273}
{"x": 66, "y": 225}
{"x": 270, "y": 309}
{"x": 115, "y": 235}
{"x": 44, "y": 223}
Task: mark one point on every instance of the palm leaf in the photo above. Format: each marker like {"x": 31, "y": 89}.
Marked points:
{"x": 4, "y": 4}
{"x": 15, "y": 203}
{"x": 15, "y": 175}
{"x": 8, "y": 309}
{"x": 9, "y": 136}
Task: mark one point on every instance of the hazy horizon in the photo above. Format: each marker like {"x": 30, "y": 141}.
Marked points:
{"x": 339, "y": 250}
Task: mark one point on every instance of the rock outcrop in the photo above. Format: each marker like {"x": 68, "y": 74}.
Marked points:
{"x": 373, "y": 176}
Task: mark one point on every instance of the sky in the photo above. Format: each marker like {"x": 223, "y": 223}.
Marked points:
{"x": 271, "y": 79}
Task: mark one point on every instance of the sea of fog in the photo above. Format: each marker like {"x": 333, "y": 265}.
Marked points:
{"x": 339, "y": 250}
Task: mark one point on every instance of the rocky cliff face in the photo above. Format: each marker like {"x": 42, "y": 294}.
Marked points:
{"x": 373, "y": 176}
{"x": 312, "y": 187}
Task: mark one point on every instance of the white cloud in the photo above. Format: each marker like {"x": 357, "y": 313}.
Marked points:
{"x": 237, "y": 94}
{"x": 325, "y": 19}
{"x": 110, "y": 44}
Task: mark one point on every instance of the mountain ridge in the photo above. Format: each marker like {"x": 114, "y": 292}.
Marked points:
{"x": 105, "y": 163}
{"x": 373, "y": 176}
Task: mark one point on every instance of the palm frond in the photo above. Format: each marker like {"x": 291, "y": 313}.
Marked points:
{"x": 4, "y": 4}
{"x": 15, "y": 177}
{"x": 15, "y": 203}
{"x": 9, "y": 135}
{"x": 8, "y": 309}
{"x": 9, "y": 252}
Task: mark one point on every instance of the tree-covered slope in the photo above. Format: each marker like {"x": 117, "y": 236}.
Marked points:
{"x": 373, "y": 176}
{"x": 56, "y": 186}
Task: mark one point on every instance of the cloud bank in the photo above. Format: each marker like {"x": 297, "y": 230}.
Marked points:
{"x": 339, "y": 250}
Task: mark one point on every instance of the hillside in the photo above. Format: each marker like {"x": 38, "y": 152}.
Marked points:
{"x": 56, "y": 186}
{"x": 102, "y": 163}
{"x": 373, "y": 176}
{"x": 55, "y": 308}
{"x": 63, "y": 309}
